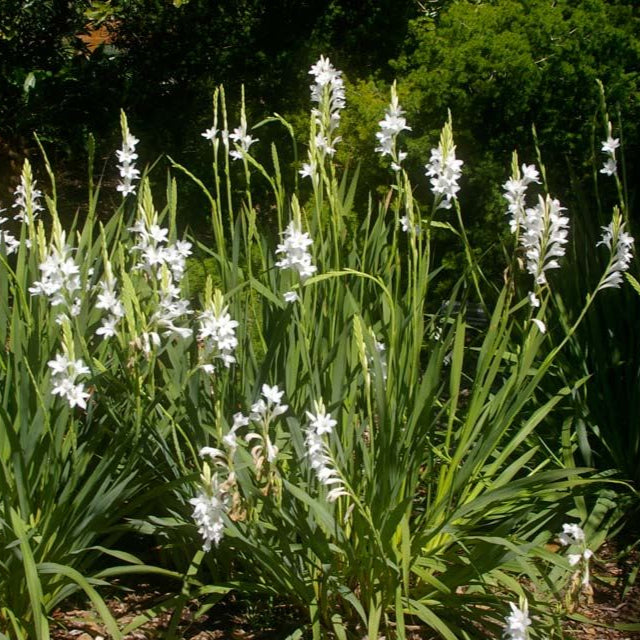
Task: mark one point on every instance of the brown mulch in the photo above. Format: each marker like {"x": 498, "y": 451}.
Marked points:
{"x": 233, "y": 618}
{"x": 615, "y": 603}
{"x": 616, "y": 599}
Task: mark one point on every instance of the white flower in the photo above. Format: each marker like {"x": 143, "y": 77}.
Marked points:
{"x": 620, "y": 244}
{"x": 542, "y": 327}
{"x": 230, "y": 439}
{"x": 291, "y": 296}
{"x": 11, "y": 243}
{"x": 127, "y": 157}
{"x": 211, "y": 452}
{"x": 308, "y": 170}
{"x": 170, "y": 308}
{"x": 109, "y": 301}
{"x": 533, "y": 299}
{"x": 322, "y": 422}
{"x": 209, "y": 507}
{"x": 294, "y": 247}
{"x": 445, "y": 171}
{"x": 328, "y": 92}
{"x": 318, "y": 452}
{"x": 272, "y": 394}
{"x": 242, "y": 140}
{"x": 65, "y": 372}
{"x": 571, "y": 534}
{"x": 609, "y": 147}
{"x": 544, "y": 235}
{"x": 262, "y": 411}
{"x": 406, "y": 225}
{"x": 517, "y": 622}
{"x": 60, "y": 275}
{"x": 26, "y": 197}
{"x": 218, "y": 334}
{"x": 515, "y": 189}
{"x": 108, "y": 327}
{"x": 210, "y": 134}
{"x": 149, "y": 340}
{"x": 393, "y": 124}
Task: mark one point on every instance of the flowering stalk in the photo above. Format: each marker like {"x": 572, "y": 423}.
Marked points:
{"x": 164, "y": 264}
{"x": 108, "y": 300}
{"x": 573, "y": 536}
{"x": 11, "y": 243}
{"x": 263, "y": 412}
{"x": 60, "y": 275}
{"x": 242, "y": 139}
{"x": 620, "y": 244}
{"x": 295, "y": 251}
{"x": 65, "y": 371}
{"x": 211, "y": 503}
{"x": 318, "y": 452}
{"x": 544, "y": 235}
{"x": 393, "y": 124}
{"x": 217, "y": 335}
{"x": 517, "y": 622}
{"x": 27, "y": 197}
{"x": 515, "y": 189}
{"x": 444, "y": 169}
{"x": 127, "y": 157}
{"x": 328, "y": 92}
{"x": 609, "y": 146}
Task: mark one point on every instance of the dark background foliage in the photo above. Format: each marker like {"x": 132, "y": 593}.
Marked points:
{"x": 500, "y": 66}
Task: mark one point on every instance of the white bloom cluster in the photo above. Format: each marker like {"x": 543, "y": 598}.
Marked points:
{"x": 406, "y": 225}
{"x": 308, "y": 170}
{"x": 171, "y": 307}
{"x": 515, "y": 189}
{"x": 572, "y": 534}
{"x": 242, "y": 141}
{"x": 108, "y": 301}
{"x": 209, "y": 508}
{"x": 65, "y": 372}
{"x": 445, "y": 171}
{"x": 167, "y": 263}
{"x": 263, "y": 411}
{"x": 154, "y": 250}
{"x": 230, "y": 439}
{"x": 127, "y": 157}
{"x": 217, "y": 335}
{"x": 212, "y": 134}
{"x": 620, "y": 244}
{"x": 318, "y": 453}
{"x": 609, "y": 147}
{"x": 27, "y": 203}
{"x": 295, "y": 252}
{"x": 544, "y": 235}
{"x": 517, "y": 622}
{"x": 393, "y": 124}
{"x": 60, "y": 278}
{"x": 11, "y": 243}
{"x": 26, "y": 197}
{"x": 328, "y": 92}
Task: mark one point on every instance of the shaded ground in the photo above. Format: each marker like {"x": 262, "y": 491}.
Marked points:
{"x": 615, "y": 606}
